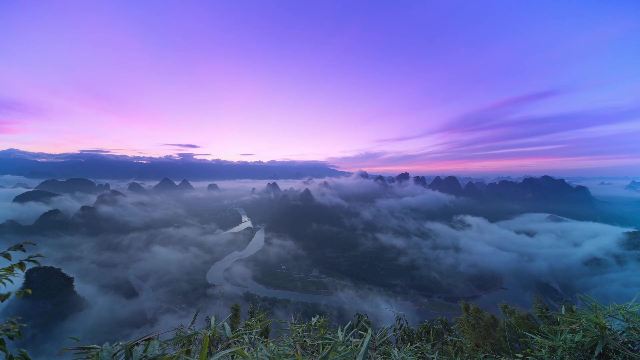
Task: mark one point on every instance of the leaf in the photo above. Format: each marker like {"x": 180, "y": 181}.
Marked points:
{"x": 600, "y": 346}
{"x": 365, "y": 347}
{"x": 326, "y": 354}
{"x": 4, "y": 297}
{"x": 205, "y": 348}
{"x": 343, "y": 355}
{"x": 243, "y": 354}
{"x": 223, "y": 353}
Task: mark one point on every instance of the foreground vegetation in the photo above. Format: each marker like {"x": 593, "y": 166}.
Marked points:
{"x": 589, "y": 330}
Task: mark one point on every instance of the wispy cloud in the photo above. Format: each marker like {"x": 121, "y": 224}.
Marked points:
{"x": 488, "y": 116}
{"x": 185, "y": 146}
{"x": 533, "y": 148}
{"x": 187, "y": 156}
{"x": 8, "y": 127}
{"x": 11, "y": 113}
{"x": 12, "y": 106}
{"x": 247, "y": 154}
{"x": 97, "y": 151}
{"x": 502, "y": 134}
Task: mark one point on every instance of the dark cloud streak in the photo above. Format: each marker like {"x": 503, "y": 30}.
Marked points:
{"x": 186, "y": 146}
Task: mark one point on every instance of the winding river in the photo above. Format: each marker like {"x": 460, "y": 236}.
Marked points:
{"x": 215, "y": 275}
{"x": 371, "y": 303}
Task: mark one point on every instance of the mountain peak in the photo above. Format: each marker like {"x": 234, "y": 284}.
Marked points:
{"x": 633, "y": 185}
{"x": 109, "y": 198}
{"x": 185, "y": 185}
{"x": 403, "y": 177}
{"x": 306, "y": 197}
{"x": 134, "y": 187}
{"x": 273, "y": 188}
{"x": 165, "y": 185}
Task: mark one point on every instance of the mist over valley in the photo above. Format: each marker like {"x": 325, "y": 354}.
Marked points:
{"x": 140, "y": 257}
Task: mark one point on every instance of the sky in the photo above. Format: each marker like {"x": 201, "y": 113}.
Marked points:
{"x": 385, "y": 86}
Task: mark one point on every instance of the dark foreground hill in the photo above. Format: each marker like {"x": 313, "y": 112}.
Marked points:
{"x": 53, "y": 299}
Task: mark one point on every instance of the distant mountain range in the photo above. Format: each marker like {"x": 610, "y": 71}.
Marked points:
{"x": 88, "y": 220}
{"x": 532, "y": 194}
{"x": 51, "y": 188}
{"x": 318, "y": 228}
{"x": 530, "y": 189}
{"x": 106, "y": 166}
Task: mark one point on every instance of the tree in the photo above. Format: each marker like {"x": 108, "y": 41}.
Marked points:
{"x": 235, "y": 319}
{"x": 481, "y": 330}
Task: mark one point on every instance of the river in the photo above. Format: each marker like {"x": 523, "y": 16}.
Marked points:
{"x": 364, "y": 301}
{"x": 215, "y": 275}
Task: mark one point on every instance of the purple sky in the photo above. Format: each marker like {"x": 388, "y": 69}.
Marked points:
{"x": 387, "y": 86}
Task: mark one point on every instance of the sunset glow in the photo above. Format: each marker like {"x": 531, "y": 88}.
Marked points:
{"x": 422, "y": 86}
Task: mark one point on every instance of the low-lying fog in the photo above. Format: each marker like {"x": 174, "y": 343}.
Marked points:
{"x": 142, "y": 267}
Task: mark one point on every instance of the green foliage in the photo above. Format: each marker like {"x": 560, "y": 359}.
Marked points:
{"x": 480, "y": 330}
{"x": 235, "y": 319}
{"x": 592, "y": 330}
{"x": 588, "y": 331}
{"x": 11, "y": 328}
{"x": 256, "y": 317}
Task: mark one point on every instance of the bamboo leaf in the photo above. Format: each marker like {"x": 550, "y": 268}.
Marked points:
{"x": 205, "y": 348}
{"x": 365, "y": 347}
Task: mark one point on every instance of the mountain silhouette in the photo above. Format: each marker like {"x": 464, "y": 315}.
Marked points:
{"x": 633, "y": 185}
{"x": 165, "y": 185}
{"x": 134, "y": 187}
{"x": 403, "y": 177}
{"x": 449, "y": 185}
{"x": 68, "y": 186}
{"x": 306, "y": 197}
{"x": 109, "y": 198}
{"x": 52, "y": 221}
{"x": 34, "y": 196}
{"x": 185, "y": 185}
